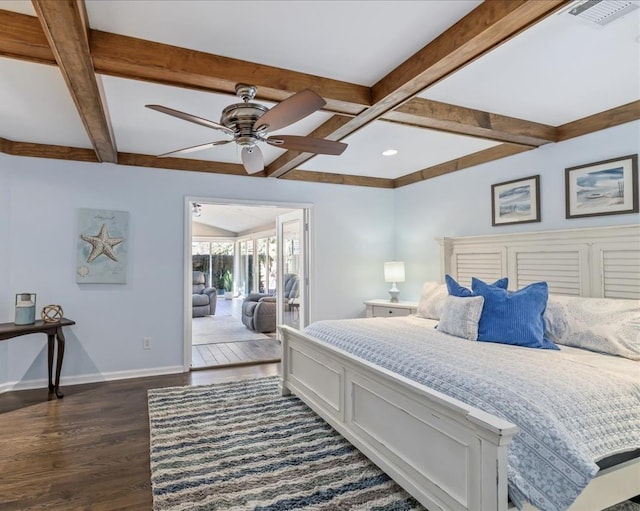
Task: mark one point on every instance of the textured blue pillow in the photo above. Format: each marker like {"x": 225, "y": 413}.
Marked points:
{"x": 513, "y": 317}
{"x": 456, "y": 289}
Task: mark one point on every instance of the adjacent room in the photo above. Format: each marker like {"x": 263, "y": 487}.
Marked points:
{"x": 235, "y": 253}
{"x": 315, "y": 254}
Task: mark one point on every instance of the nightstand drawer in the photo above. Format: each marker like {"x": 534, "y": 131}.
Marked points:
{"x": 381, "y": 312}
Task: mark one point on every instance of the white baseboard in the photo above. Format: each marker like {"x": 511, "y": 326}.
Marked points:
{"x": 90, "y": 378}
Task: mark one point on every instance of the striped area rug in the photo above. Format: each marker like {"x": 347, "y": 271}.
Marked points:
{"x": 242, "y": 446}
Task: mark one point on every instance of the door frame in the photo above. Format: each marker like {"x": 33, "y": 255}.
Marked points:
{"x": 303, "y": 285}
{"x": 187, "y": 261}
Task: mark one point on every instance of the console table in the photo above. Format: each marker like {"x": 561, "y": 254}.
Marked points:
{"x": 53, "y": 330}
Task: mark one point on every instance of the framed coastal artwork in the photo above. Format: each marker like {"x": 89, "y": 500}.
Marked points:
{"x": 608, "y": 187}
{"x": 102, "y": 246}
{"x": 516, "y": 202}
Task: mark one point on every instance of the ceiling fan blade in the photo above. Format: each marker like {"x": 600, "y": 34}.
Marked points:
{"x": 307, "y": 144}
{"x": 290, "y": 110}
{"x": 191, "y": 118}
{"x": 252, "y": 159}
{"x": 195, "y": 148}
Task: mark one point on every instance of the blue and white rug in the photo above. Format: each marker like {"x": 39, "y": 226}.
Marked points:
{"x": 242, "y": 446}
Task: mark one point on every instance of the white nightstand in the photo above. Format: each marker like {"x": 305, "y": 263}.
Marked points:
{"x": 386, "y": 309}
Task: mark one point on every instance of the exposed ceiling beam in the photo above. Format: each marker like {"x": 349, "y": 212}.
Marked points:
{"x": 603, "y": 120}
{"x": 339, "y": 179}
{"x": 57, "y": 152}
{"x": 65, "y": 27}
{"x": 213, "y": 167}
{"x": 466, "y": 121}
{"x": 487, "y": 26}
{"x": 138, "y": 59}
{"x": 146, "y": 160}
{"x": 470, "y": 160}
{"x": 22, "y": 38}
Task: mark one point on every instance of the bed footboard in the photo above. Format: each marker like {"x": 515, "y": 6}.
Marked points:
{"x": 448, "y": 455}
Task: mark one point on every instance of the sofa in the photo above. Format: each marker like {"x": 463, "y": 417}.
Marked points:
{"x": 204, "y": 298}
{"x": 259, "y": 312}
{"x": 259, "y": 309}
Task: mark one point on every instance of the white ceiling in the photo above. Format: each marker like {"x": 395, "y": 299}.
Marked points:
{"x": 353, "y": 41}
{"x": 239, "y": 218}
{"x": 556, "y": 72}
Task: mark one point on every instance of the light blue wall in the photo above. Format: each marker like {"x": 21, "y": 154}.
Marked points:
{"x": 356, "y": 230}
{"x": 459, "y": 204}
{"x": 39, "y": 199}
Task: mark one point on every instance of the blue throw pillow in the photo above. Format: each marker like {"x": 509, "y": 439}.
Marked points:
{"x": 456, "y": 289}
{"x": 513, "y": 317}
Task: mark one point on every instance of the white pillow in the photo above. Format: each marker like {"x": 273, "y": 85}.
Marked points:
{"x": 460, "y": 316}
{"x": 432, "y": 300}
{"x": 606, "y": 325}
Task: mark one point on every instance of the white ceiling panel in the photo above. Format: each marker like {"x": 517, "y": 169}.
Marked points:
{"x": 140, "y": 130}
{"x": 36, "y": 106}
{"x": 354, "y": 41}
{"x": 237, "y": 218}
{"x": 556, "y": 72}
{"x": 417, "y": 149}
{"x": 21, "y": 6}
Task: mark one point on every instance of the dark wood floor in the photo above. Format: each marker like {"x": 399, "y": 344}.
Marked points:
{"x": 90, "y": 450}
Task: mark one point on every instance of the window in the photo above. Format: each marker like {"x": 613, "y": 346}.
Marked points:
{"x": 214, "y": 259}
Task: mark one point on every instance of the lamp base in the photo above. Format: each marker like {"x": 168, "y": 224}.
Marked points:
{"x": 394, "y": 296}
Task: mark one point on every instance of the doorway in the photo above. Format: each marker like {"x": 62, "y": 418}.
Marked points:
{"x": 268, "y": 257}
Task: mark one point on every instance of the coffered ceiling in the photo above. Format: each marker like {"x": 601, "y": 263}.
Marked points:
{"x": 448, "y": 84}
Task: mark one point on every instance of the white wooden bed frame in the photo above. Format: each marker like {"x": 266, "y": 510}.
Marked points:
{"x": 448, "y": 455}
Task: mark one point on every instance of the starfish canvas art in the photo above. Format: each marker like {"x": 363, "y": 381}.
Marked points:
{"x": 102, "y": 246}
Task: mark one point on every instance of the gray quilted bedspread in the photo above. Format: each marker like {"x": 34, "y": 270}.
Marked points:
{"x": 571, "y": 410}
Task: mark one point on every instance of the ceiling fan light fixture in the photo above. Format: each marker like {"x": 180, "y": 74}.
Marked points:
{"x": 196, "y": 209}
{"x": 389, "y": 152}
{"x": 249, "y": 123}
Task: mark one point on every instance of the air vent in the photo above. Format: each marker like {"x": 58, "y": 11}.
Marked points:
{"x": 601, "y": 13}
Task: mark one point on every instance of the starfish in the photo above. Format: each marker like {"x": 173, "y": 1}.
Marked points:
{"x": 102, "y": 244}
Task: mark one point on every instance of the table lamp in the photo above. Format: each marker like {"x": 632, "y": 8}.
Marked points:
{"x": 394, "y": 272}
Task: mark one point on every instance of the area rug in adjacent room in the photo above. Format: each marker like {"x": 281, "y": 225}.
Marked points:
{"x": 242, "y": 446}
{"x": 218, "y": 329}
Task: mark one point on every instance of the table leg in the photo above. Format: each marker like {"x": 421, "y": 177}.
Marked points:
{"x": 50, "y": 350}
{"x": 60, "y": 338}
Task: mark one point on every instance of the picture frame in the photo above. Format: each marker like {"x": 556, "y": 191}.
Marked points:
{"x": 102, "y": 246}
{"x": 516, "y": 202}
{"x": 608, "y": 187}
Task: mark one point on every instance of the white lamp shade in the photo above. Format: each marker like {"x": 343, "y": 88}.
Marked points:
{"x": 394, "y": 271}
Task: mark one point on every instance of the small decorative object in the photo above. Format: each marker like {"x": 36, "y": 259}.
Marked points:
{"x": 608, "y": 187}
{"x": 25, "y": 309}
{"x": 51, "y": 313}
{"x": 394, "y": 272}
{"x": 516, "y": 202}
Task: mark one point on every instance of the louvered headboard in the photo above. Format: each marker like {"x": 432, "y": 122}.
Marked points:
{"x": 598, "y": 262}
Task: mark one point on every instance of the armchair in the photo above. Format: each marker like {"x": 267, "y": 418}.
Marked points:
{"x": 259, "y": 312}
{"x": 204, "y": 298}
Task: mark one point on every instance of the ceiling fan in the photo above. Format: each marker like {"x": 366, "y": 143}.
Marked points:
{"x": 248, "y": 123}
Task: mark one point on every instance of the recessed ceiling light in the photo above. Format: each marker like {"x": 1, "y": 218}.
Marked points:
{"x": 389, "y": 152}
